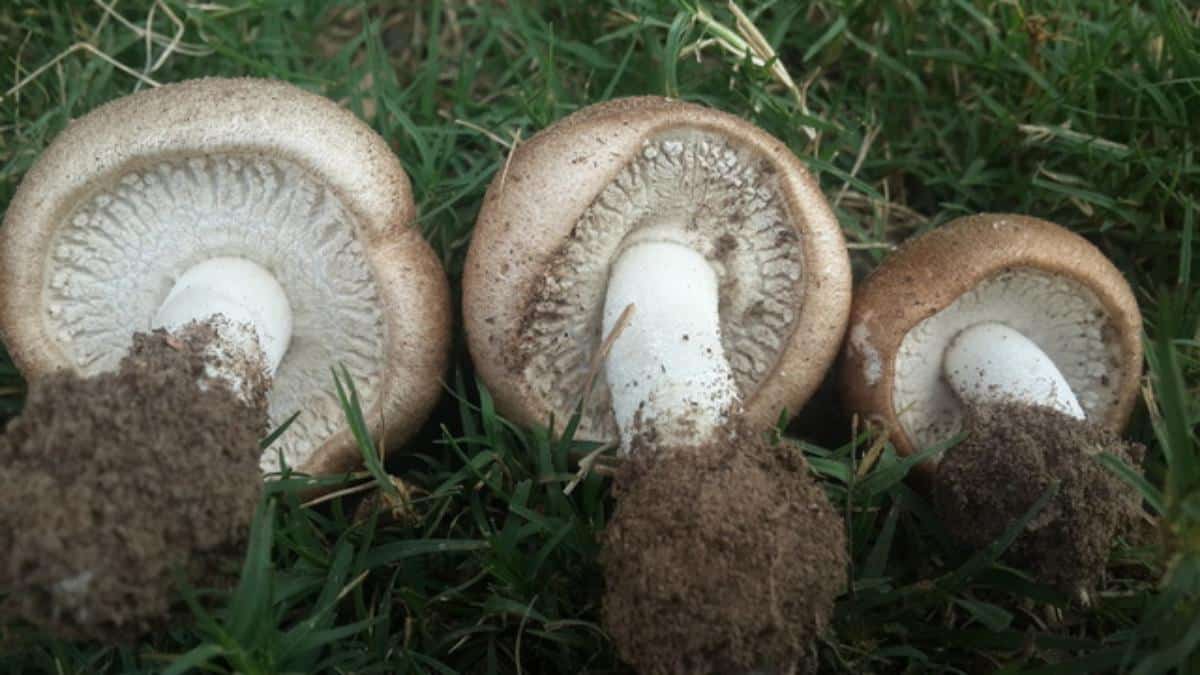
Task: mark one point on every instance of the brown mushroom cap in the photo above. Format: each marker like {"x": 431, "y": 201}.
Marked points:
{"x": 132, "y": 194}
{"x": 535, "y": 275}
{"x": 1057, "y": 277}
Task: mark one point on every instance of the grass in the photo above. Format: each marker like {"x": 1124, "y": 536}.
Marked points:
{"x": 911, "y": 112}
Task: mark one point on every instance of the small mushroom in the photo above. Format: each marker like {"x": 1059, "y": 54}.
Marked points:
{"x": 696, "y": 256}
{"x": 1026, "y": 338}
{"x": 990, "y": 308}
{"x": 246, "y": 199}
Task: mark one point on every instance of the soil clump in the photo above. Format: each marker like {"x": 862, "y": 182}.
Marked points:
{"x": 1011, "y": 455}
{"x": 723, "y": 558}
{"x": 114, "y": 482}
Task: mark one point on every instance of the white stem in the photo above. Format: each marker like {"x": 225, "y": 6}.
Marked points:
{"x": 990, "y": 362}
{"x": 667, "y": 370}
{"x": 258, "y": 316}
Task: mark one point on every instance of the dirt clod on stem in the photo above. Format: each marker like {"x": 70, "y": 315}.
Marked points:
{"x": 720, "y": 559}
{"x": 1011, "y": 455}
{"x": 114, "y": 482}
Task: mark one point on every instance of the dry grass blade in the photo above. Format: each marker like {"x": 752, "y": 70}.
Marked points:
{"x": 512, "y": 148}
{"x": 354, "y": 583}
{"x": 864, "y": 149}
{"x": 490, "y": 135}
{"x": 361, "y": 487}
{"x": 748, "y": 40}
{"x": 171, "y": 45}
{"x": 1040, "y": 133}
{"x": 78, "y": 46}
{"x": 605, "y": 347}
{"x": 593, "y": 461}
{"x": 872, "y": 456}
{"x": 589, "y": 462}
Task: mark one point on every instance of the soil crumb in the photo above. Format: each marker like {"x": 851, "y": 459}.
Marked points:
{"x": 1011, "y": 455}
{"x": 720, "y": 559}
{"x": 214, "y": 354}
{"x": 113, "y": 482}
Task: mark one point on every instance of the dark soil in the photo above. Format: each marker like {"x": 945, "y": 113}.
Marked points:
{"x": 1011, "y": 455}
{"x": 196, "y": 341}
{"x": 720, "y": 559}
{"x": 112, "y": 483}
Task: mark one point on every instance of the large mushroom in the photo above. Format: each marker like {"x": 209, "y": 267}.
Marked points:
{"x": 1023, "y": 335}
{"x": 179, "y": 263}
{"x": 250, "y": 200}
{"x": 696, "y": 255}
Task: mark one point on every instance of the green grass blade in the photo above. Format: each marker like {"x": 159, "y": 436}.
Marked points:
{"x": 250, "y": 613}
{"x": 347, "y": 394}
{"x": 279, "y": 430}
{"x": 984, "y": 558}
{"x": 1149, "y": 492}
{"x": 196, "y": 658}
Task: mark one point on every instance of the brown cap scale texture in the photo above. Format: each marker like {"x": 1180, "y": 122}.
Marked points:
{"x": 555, "y": 216}
{"x": 1048, "y": 282}
{"x": 132, "y": 194}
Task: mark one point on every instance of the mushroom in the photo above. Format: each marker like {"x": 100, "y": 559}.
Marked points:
{"x": 246, "y": 199}
{"x": 988, "y": 308}
{"x": 694, "y": 254}
{"x": 750, "y": 280}
{"x": 1022, "y": 335}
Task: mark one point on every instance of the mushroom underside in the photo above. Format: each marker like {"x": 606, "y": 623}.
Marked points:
{"x": 718, "y": 197}
{"x": 120, "y": 250}
{"x": 1061, "y": 316}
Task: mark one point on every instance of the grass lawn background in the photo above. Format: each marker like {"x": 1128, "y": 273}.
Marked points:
{"x": 910, "y": 112}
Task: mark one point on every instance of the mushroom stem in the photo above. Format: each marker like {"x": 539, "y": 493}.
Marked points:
{"x": 990, "y": 362}
{"x": 667, "y": 370}
{"x": 242, "y": 292}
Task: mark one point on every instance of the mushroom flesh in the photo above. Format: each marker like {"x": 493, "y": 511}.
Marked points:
{"x": 667, "y": 369}
{"x": 991, "y": 362}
